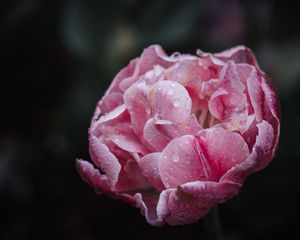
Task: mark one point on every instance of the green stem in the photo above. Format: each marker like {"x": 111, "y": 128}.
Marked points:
{"x": 213, "y": 225}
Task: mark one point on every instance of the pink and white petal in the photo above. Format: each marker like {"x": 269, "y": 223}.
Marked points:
{"x": 131, "y": 179}
{"x": 206, "y": 194}
{"x": 151, "y": 56}
{"x": 136, "y": 101}
{"x": 271, "y": 110}
{"x": 229, "y": 100}
{"x": 170, "y": 101}
{"x": 92, "y": 176}
{"x": 222, "y": 150}
{"x": 154, "y": 136}
{"x": 183, "y": 161}
{"x": 123, "y": 136}
{"x": 154, "y": 207}
{"x": 188, "y": 73}
{"x": 189, "y": 127}
{"x": 238, "y": 54}
{"x": 110, "y": 102}
{"x": 126, "y": 72}
{"x": 182, "y": 210}
{"x": 260, "y": 156}
{"x": 104, "y": 159}
{"x": 149, "y": 167}
{"x": 256, "y": 94}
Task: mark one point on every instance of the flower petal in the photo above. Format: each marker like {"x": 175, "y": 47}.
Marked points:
{"x": 260, "y": 156}
{"x": 170, "y": 101}
{"x": 154, "y": 207}
{"x": 149, "y": 166}
{"x": 229, "y": 100}
{"x": 182, "y": 210}
{"x": 105, "y": 160}
{"x": 92, "y": 176}
{"x": 222, "y": 149}
{"x": 183, "y": 161}
{"x": 136, "y": 101}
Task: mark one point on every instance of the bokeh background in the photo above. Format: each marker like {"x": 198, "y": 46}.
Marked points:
{"x": 57, "y": 59}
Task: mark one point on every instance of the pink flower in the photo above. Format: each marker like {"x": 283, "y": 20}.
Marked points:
{"x": 176, "y": 135}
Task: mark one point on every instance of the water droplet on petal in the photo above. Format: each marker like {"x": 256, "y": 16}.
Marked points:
{"x": 173, "y": 84}
{"x": 175, "y": 158}
{"x": 176, "y": 103}
{"x": 148, "y": 111}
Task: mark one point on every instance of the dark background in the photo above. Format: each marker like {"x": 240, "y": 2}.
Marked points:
{"x": 57, "y": 59}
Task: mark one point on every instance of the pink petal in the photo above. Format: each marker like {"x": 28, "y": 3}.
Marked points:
{"x": 183, "y": 161}
{"x": 151, "y": 56}
{"x": 256, "y": 94}
{"x": 271, "y": 110}
{"x": 154, "y": 206}
{"x": 149, "y": 167}
{"x": 131, "y": 179}
{"x": 124, "y": 73}
{"x": 229, "y": 100}
{"x": 170, "y": 101}
{"x": 222, "y": 149}
{"x": 238, "y": 54}
{"x": 154, "y": 136}
{"x": 158, "y": 133}
{"x": 105, "y": 160}
{"x": 110, "y": 102}
{"x": 182, "y": 209}
{"x": 260, "y": 156}
{"x": 136, "y": 101}
{"x": 92, "y": 176}
{"x": 206, "y": 194}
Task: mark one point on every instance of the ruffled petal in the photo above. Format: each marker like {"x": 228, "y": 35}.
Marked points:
{"x": 105, "y": 160}
{"x": 260, "y": 156}
{"x": 154, "y": 206}
{"x": 92, "y": 176}
{"x": 229, "y": 100}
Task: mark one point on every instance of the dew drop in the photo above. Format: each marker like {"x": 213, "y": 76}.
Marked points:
{"x": 173, "y": 84}
{"x": 175, "y": 158}
{"x": 148, "y": 111}
{"x": 176, "y": 103}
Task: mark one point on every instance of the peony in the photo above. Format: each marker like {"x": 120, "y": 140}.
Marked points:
{"x": 176, "y": 135}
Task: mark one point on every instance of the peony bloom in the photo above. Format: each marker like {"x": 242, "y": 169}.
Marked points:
{"x": 176, "y": 135}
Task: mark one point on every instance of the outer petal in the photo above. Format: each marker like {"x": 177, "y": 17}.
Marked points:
{"x": 170, "y": 101}
{"x": 105, "y": 160}
{"x": 206, "y": 194}
{"x": 238, "y": 54}
{"x": 222, "y": 150}
{"x": 154, "y": 207}
{"x": 260, "y": 156}
{"x": 92, "y": 176}
{"x": 124, "y": 73}
{"x": 182, "y": 209}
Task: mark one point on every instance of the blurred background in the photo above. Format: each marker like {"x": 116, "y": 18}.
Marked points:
{"x": 57, "y": 59}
